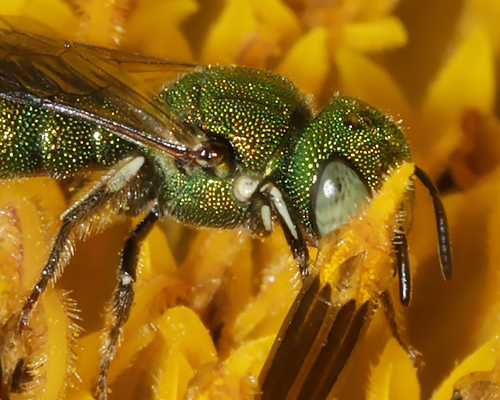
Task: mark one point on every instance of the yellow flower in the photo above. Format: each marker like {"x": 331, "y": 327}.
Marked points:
{"x": 433, "y": 66}
{"x": 301, "y": 40}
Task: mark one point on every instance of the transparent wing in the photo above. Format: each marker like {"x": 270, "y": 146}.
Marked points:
{"x": 315, "y": 342}
{"x": 110, "y": 88}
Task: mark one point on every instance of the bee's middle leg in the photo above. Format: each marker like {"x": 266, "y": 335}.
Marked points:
{"x": 124, "y": 294}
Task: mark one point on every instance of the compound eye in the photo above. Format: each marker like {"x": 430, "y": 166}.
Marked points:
{"x": 340, "y": 194}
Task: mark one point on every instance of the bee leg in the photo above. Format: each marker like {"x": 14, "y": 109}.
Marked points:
{"x": 48, "y": 273}
{"x": 86, "y": 206}
{"x": 60, "y": 249}
{"x": 290, "y": 226}
{"x": 124, "y": 295}
{"x": 13, "y": 339}
{"x": 398, "y": 331}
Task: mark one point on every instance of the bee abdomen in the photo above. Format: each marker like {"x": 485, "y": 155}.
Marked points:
{"x": 38, "y": 141}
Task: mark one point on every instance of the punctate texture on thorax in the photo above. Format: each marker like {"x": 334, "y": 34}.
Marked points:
{"x": 260, "y": 114}
{"x": 256, "y": 110}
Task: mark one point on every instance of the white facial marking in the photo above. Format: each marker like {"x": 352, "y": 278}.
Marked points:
{"x": 267, "y": 220}
{"x": 124, "y": 174}
{"x": 125, "y": 279}
{"x": 244, "y": 187}
{"x": 115, "y": 181}
{"x": 277, "y": 199}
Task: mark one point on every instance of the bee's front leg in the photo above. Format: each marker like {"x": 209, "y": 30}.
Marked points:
{"x": 124, "y": 294}
{"x": 75, "y": 216}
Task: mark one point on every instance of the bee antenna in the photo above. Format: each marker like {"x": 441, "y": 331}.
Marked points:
{"x": 444, "y": 247}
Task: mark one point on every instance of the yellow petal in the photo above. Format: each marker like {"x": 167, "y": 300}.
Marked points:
{"x": 155, "y": 257}
{"x": 230, "y": 32}
{"x": 278, "y": 23}
{"x": 101, "y": 21}
{"x": 206, "y": 268}
{"x": 248, "y": 359}
{"x": 264, "y": 315}
{"x": 488, "y": 310}
{"x": 467, "y": 81}
{"x": 277, "y": 27}
{"x": 235, "y": 378}
{"x": 33, "y": 202}
{"x": 56, "y": 14}
{"x": 361, "y": 77}
{"x": 174, "y": 374}
{"x": 81, "y": 395}
{"x": 484, "y": 13}
{"x": 181, "y": 327}
{"x": 306, "y": 63}
{"x": 479, "y": 153}
{"x": 139, "y": 332}
{"x": 133, "y": 343}
{"x": 239, "y": 286}
{"x": 87, "y": 363}
{"x": 483, "y": 359}
{"x": 375, "y": 35}
{"x": 158, "y": 251}
{"x": 394, "y": 377}
{"x": 207, "y": 249}
{"x": 372, "y": 9}
{"x": 154, "y": 29}
{"x": 58, "y": 352}
{"x": 451, "y": 319}
{"x": 14, "y": 7}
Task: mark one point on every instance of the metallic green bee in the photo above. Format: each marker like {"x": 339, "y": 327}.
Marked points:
{"x": 221, "y": 147}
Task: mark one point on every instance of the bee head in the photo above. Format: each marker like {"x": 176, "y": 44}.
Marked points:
{"x": 339, "y": 161}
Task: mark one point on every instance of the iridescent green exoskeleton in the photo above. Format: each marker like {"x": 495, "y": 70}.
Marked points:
{"x": 221, "y": 147}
